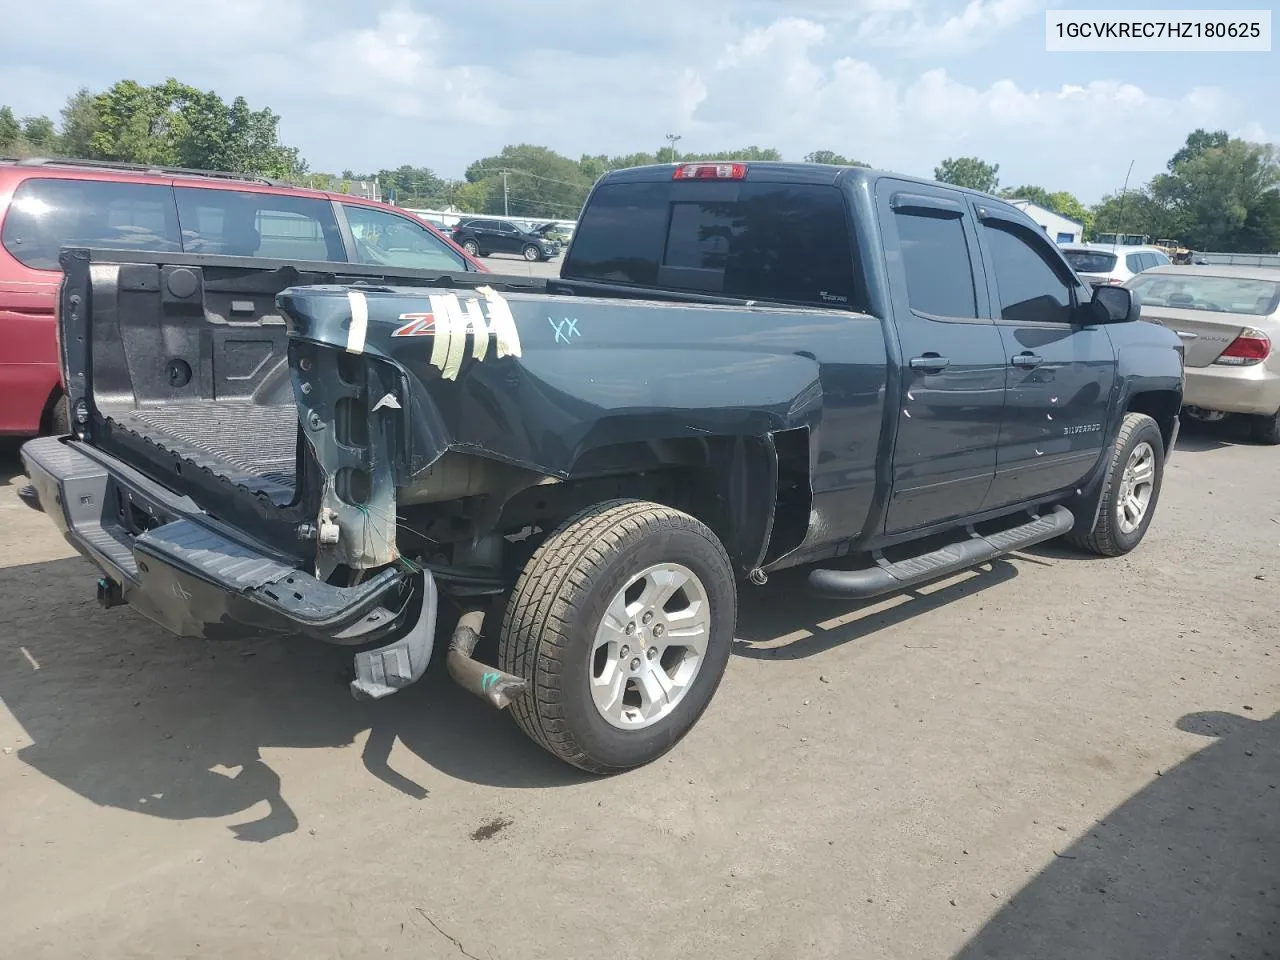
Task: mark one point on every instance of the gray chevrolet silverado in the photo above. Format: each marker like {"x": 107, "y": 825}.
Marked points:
{"x": 742, "y": 368}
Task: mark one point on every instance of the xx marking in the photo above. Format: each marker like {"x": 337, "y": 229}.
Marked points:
{"x": 565, "y": 329}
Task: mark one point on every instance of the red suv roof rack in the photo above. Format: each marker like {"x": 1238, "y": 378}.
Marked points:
{"x": 152, "y": 169}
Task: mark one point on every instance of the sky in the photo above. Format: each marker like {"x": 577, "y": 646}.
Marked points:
{"x": 898, "y": 84}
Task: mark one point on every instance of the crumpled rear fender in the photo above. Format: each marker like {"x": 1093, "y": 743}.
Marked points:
{"x": 390, "y": 379}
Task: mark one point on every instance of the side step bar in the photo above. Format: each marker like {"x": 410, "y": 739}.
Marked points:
{"x": 887, "y": 577}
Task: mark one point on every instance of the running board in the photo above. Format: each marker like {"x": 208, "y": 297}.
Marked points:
{"x": 887, "y": 577}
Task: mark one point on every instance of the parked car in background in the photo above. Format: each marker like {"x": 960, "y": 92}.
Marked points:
{"x": 48, "y": 204}
{"x": 1227, "y": 318}
{"x": 556, "y": 231}
{"x": 1103, "y": 263}
{"x": 481, "y": 236}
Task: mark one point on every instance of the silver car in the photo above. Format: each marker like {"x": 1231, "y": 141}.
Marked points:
{"x": 1097, "y": 263}
{"x": 1229, "y": 320}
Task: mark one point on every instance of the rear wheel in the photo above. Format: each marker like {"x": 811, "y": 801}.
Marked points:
{"x": 1131, "y": 492}
{"x": 622, "y": 622}
{"x": 532, "y": 253}
{"x": 1266, "y": 429}
{"x": 471, "y": 248}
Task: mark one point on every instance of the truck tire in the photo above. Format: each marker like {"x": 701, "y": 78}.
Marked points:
{"x": 1266, "y": 429}
{"x": 591, "y": 625}
{"x": 1132, "y": 489}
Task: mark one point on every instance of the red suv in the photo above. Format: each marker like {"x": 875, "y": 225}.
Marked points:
{"x": 48, "y": 204}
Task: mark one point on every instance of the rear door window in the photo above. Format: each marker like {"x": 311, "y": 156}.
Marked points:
{"x": 48, "y": 214}
{"x": 935, "y": 257}
{"x": 238, "y": 223}
{"x": 750, "y": 240}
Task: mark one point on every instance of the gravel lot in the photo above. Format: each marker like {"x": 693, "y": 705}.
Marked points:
{"x": 1054, "y": 758}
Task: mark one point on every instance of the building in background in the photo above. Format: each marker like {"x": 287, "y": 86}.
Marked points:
{"x": 1058, "y": 227}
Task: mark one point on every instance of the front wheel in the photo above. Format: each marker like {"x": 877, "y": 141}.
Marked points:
{"x": 622, "y": 622}
{"x": 1266, "y": 429}
{"x": 532, "y": 253}
{"x": 1131, "y": 492}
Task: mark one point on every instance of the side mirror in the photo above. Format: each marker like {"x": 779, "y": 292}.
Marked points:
{"x": 1113, "y": 304}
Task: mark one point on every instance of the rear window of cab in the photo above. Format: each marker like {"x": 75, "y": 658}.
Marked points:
{"x": 752, "y": 240}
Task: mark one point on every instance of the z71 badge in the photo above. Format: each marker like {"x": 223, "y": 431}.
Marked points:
{"x": 451, "y": 321}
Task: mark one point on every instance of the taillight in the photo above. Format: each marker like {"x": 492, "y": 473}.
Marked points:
{"x": 710, "y": 171}
{"x": 1252, "y": 346}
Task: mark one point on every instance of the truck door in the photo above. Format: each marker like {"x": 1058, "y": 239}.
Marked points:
{"x": 1060, "y": 373}
{"x": 953, "y": 378}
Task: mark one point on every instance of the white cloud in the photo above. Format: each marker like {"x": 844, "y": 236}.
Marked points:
{"x": 396, "y": 66}
{"x": 1078, "y": 137}
{"x": 893, "y": 82}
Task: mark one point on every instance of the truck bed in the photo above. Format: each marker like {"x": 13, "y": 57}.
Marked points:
{"x": 250, "y": 444}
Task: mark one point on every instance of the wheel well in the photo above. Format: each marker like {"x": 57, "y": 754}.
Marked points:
{"x": 1162, "y": 406}
{"x": 50, "y": 403}
{"x": 753, "y": 492}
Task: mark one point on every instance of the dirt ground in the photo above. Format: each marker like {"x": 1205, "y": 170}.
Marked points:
{"x": 1054, "y": 758}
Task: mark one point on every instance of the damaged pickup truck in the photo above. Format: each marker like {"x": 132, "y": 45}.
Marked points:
{"x": 742, "y": 368}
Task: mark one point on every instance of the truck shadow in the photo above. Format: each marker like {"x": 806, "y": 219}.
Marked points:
{"x": 769, "y": 628}
{"x": 1196, "y": 437}
{"x": 129, "y": 717}
{"x": 1188, "y": 868}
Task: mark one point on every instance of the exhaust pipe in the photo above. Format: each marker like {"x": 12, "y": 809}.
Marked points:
{"x": 495, "y": 686}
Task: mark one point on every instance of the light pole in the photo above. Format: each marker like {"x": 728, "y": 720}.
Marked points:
{"x": 673, "y": 139}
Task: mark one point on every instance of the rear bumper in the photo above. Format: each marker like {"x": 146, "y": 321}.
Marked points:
{"x": 1225, "y": 389}
{"x": 198, "y": 578}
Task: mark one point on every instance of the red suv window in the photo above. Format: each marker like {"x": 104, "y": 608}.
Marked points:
{"x": 250, "y": 224}
{"x": 46, "y": 214}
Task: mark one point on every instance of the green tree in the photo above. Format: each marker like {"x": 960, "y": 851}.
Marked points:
{"x": 40, "y": 133}
{"x": 531, "y": 181}
{"x": 1209, "y": 194}
{"x": 1135, "y": 211}
{"x": 412, "y": 186}
{"x": 471, "y": 197}
{"x": 831, "y": 157}
{"x": 1198, "y": 141}
{"x": 968, "y": 172}
{"x": 1037, "y": 195}
{"x": 79, "y": 124}
{"x": 1261, "y": 230}
{"x": 171, "y": 123}
{"x": 10, "y": 130}
{"x": 1065, "y": 204}
{"x": 742, "y": 153}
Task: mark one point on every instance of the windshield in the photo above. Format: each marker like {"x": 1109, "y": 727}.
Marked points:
{"x": 1090, "y": 261}
{"x": 1216, "y": 294}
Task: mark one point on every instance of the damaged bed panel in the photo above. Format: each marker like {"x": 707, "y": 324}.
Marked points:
{"x": 550, "y": 383}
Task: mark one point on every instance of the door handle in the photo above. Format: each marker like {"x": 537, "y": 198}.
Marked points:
{"x": 930, "y": 361}
{"x": 1027, "y": 360}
